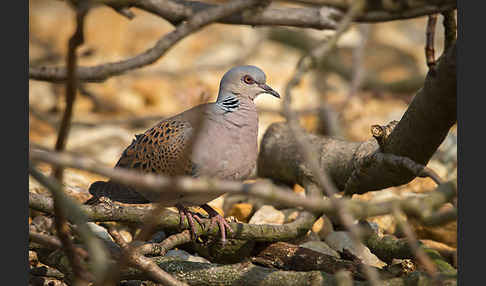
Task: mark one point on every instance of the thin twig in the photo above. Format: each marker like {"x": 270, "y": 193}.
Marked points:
{"x": 358, "y": 75}
{"x": 166, "y": 245}
{"x": 450, "y": 28}
{"x": 414, "y": 245}
{"x": 75, "y": 41}
{"x": 261, "y": 189}
{"x": 429, "y": 41}
{"x": 132, "y": 256}
{"x": 52, "y": 243}
{"x": 73, "y": 212}
{"x": 307, "y": 150}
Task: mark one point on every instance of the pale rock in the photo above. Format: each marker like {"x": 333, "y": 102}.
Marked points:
{"x": 41, "y": 96}
{"x": 323, "y": 226}
{"x": 386, "y": 223}
{"x": 241, "y": 211}
{"x": 185, "y": 256}
{"x": 340, "y": 240}
{"x": 99, "y": 231}
{"x": 320, "y": 246}
{"x": 125, "y": 233}
{"x": 267, "y": 215}
{"x": 130, "y": 100}
{"x": 290, "y": 214}
{"x": 217, "y": 203}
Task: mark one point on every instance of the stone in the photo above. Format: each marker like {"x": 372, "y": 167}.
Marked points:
{"x": 100, "y": 231}
{"x": 323, "y": 226}
{"x": 241, "y": 211}
{"x": 185, "y": 256}
{"x": 339, "y": 240}
{"x": 267, "y": 215}
{"x": 320, "y": 246}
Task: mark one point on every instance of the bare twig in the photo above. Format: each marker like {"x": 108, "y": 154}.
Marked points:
{"x": 306, "y": 149}
{"x": 52, "y": 243}
{"x": 73, "y": 212}
{"x": 133, "y": 257}
{"x": 166, "y": 245}
{"x": 414, "y": 245}
{"x": 75, "y": 41}
{"x": 262, "y": 189}
{"x": 358, "y": 61}
{"x": 429, "y": 42}
{"x": 450, "y": 28}
{"x": 104, "y": 71}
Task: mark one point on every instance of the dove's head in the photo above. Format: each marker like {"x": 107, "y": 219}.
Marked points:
{"x": 245, "y": 81}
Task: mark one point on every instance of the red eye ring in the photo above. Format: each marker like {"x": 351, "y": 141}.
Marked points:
{"x": 248, "y": 80}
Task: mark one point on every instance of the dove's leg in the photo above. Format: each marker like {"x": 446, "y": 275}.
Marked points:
{"x": 217, "y": 218}
{"x": 185, "y": 213}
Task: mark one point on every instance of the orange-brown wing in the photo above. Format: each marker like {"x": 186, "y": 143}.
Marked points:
{"x": 160, "y": 149}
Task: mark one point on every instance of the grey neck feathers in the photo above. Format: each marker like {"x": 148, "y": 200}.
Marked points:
{"x": 228, "y": 102}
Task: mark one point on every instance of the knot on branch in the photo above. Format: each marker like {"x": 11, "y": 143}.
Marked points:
{"x": 382, "y": 132}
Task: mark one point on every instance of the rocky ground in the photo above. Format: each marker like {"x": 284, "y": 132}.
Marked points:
{"x": 189, "y": 74}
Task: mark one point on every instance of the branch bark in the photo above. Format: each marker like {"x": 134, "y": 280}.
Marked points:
{"x": 245, "y": 273}
{"x": 104, "y": 71}
{"x": 417, "y": 136}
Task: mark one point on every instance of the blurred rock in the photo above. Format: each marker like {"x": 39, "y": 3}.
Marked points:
{"x": 320, "y": 246}
{"x": 241, "y": 211}
{"x": 130, "y": 100}
{"x": 158, "y": 237}
{"x": 298, "y": 189}
{"x": 386, "y": 223}
{"x": 323, "y": 226}
{"x": 125, "y": 233}
{"x": 339, "y": 240}
{"x": 290, "y": 214}
{"x": 309, "y": 236}
{"x": 100, "y": 231}
{"x": 41, "y": 96}
{"x": 267, "y": 215}
{"x": 217, "y": 204}
{"x": 186, "y": 256}
{"x": 445, "y": 233}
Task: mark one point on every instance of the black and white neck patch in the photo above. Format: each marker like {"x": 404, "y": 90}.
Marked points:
{"x": 229, "y": 103}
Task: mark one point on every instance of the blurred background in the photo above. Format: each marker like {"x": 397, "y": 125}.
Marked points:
{"x": 387, "y": 58}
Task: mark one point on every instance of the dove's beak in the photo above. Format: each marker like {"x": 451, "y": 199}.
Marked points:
{"x": 269, "y": 90}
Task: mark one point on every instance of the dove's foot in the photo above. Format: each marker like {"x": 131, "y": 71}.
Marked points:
{"x": 217, "y": 218}
{"x": 191, "y": 216}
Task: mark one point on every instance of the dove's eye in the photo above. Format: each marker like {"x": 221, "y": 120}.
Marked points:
{"x": 248, "y": 79}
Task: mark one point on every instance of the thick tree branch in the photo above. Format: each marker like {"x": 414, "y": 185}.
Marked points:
{"x": 417, "y": 136}
{"x": 178, "y": 11}
{"x": 323, "y": 17}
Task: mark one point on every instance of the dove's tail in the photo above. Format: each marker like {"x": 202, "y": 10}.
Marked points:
{"x": 115, "y": 192}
